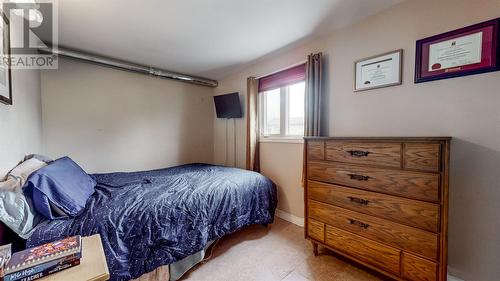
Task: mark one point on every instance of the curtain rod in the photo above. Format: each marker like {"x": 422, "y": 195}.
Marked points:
{"x": 128, "y": 66}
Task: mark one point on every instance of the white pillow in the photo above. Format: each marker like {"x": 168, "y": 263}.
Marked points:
{"x": 18, "y": 176}
{"x": 17, "y": 211}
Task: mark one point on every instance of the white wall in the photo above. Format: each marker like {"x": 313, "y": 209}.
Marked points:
{"x": 21, "y": 123}
{"x": 465, "y": 108}
{"x": 111, "y": 120}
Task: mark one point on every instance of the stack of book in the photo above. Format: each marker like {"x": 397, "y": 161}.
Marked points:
{"x": 43, "y": 260}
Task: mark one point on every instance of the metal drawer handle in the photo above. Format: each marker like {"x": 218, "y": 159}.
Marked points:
{"x": 359, "y": 177}
{"x": 358, "y": 223}
{"x": 359, "y": 153}
{"x": 358, "y": 200}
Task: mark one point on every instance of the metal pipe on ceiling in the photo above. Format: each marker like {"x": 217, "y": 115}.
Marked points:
{"x": 128, "y": 66}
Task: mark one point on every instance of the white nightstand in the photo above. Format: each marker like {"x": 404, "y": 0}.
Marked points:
{"x": 93, "y": 266}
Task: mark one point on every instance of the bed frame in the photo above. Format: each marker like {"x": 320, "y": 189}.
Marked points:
{"x": 7, "y": 236}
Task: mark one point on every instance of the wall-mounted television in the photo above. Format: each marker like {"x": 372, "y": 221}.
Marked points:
{"x": 228, "y": 106}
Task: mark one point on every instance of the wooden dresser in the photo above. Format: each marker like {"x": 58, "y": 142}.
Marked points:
{"x": 382, "y": 202}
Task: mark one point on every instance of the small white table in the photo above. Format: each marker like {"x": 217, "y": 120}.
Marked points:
{"x": 92, "y": 267}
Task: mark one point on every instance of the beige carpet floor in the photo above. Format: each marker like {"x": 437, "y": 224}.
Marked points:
{"x": 276, "y": 253}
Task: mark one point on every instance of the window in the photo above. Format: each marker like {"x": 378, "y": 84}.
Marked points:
{"x": 281, "y": 103}
{"x": 282, "y": 111}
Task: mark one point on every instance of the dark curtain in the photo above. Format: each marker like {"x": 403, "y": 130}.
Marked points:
{"x": 314, "y": 81}
{"x": 314, "y": 91}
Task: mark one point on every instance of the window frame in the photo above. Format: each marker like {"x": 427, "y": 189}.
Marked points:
{"x": 284, "y": 117}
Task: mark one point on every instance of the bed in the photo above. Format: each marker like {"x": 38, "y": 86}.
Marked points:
{"x": 155, "y": 218}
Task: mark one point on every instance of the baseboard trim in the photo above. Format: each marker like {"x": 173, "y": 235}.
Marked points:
{"x": 453, "y": 278}
{"x": 290, "y": 218}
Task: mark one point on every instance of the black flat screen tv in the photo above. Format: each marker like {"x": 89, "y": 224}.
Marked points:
{"x": 228, "y": 106}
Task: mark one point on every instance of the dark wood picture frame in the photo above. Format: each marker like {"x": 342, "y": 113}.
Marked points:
{"x": 490, "y": 60}
{"x": 7, "y": 98}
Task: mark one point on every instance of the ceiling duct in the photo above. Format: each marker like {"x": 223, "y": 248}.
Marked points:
{"x": 128, "y": 66}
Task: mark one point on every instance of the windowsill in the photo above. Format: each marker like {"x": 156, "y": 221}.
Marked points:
{"x": 282, "y": 139}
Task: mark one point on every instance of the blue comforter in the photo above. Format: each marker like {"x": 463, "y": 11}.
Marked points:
{"x": 154, "y": 218}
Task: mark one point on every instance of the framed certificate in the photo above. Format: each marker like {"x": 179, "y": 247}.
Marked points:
{"x": 379, "y": 71}
{"x": 470, "y": 50}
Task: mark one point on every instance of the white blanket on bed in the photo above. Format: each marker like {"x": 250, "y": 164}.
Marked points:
{"x": 18, "y": 176}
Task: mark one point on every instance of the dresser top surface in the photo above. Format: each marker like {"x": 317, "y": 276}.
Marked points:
{"x": 398, "y": 139}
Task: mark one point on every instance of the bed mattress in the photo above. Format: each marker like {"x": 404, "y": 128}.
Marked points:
{"x": 154, "y": 218}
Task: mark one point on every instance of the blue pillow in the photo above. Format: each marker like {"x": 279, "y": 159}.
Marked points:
{"x": 60, "y": 186}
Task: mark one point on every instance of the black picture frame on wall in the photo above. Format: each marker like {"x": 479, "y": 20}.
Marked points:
{"x": 5, "y": 71}
{"x": 488, "y": 57}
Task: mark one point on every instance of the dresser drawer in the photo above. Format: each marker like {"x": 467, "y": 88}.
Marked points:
{"x": 406, "y": 211}
{"x": 316, "y": 150}
{"x": 422, "y": 156}
{"x": 384, "y": 231}
{"x": 384, "y": 154}
{"x": 418, "y": 269}
{"x": 421, "y": 186}
{"x": 364, "y": 249}
{"x": 316, "y": 230}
